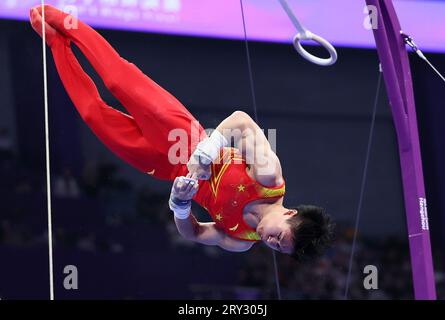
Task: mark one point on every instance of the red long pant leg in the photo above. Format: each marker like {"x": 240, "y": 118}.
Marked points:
{"x": 155, "y": 110}
{"x": 118, "y": 131}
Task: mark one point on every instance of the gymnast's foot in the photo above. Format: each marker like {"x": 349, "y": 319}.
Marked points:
{"x": 36, "y": 21}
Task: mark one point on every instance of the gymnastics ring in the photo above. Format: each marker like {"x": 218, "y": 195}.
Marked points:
{"x": 310, "y": 57}
{"x": 304, "y": 34}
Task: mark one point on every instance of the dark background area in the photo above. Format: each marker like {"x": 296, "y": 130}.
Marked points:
{"x": 113, "y": 222}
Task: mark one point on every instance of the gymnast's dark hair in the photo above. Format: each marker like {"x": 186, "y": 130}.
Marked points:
{"x": 312, "y": 232}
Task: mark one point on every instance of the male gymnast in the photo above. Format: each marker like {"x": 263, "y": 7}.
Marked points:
{"x": 233, "y": 173}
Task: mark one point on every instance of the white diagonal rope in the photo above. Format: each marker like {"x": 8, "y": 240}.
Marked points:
{"x": 363, "y": 184}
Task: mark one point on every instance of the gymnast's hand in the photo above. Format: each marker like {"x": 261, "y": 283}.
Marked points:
{"x": 198, "y": 169}
{"x": 205, "y": 153}
{"x": 184, "y": 189}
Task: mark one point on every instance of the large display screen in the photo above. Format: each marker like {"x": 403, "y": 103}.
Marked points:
{"x": 341, "y": 21}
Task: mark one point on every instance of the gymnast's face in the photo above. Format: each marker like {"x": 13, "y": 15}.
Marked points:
{"x": 276, "y": 232}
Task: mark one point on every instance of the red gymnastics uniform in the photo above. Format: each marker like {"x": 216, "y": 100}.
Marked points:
{"x": 229, "y": 190}
{"x": 141, "y": 138}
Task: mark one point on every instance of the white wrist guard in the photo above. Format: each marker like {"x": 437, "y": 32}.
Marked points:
{"x": 208, "y": 149}
{"x": 181, "y": 212}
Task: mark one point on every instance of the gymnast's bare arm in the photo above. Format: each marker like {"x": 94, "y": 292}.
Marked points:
{"x": 249, "y": 139}
{"x": 206, "y": 233}
{"x": 180, "y": 202}
{"x": 254, "y": 146}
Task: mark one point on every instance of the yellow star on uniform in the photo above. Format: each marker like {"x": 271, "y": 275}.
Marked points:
{"x": 241, "y": 188}
{"x": 219, "y": 217}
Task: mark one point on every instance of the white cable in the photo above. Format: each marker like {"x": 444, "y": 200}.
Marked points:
{"x": 432, "y": 66}
{"x": 48, "y": 171}
{"x": 410, "y": 42}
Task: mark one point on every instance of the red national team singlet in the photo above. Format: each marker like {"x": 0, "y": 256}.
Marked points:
{"x": 229, "y": 190}
{"x": 142, "y": 137}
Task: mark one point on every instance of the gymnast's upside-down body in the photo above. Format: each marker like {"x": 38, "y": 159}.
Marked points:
{"x": 243, "y": 197}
